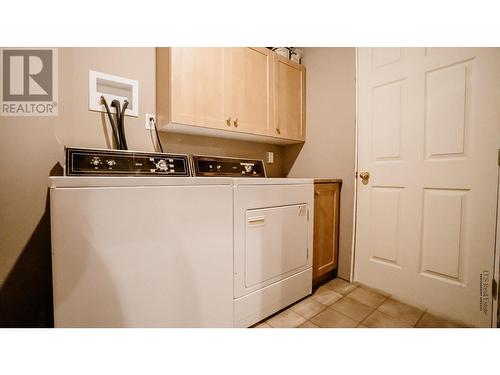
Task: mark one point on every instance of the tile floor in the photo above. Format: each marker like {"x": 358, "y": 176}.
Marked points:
{"x": 340, "y": 304}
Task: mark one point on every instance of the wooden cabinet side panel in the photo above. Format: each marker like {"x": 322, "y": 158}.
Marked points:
{"x": 163, "y": 104}
{"x": 326, "y": 224}
{"x": 336, "y": 226}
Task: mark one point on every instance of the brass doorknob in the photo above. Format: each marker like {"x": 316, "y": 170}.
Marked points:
{"x": 365, "y": 176}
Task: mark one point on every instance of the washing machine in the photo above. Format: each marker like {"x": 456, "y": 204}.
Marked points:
{"x": 138, "y": 242}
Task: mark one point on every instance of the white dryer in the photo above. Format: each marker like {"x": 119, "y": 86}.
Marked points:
{"x": 273, "y": 228}
{"x": 272, "y": 245}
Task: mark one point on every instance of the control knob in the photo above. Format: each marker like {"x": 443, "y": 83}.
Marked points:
{"x": 162, "y": 165}
{"x": 95, "y": 161}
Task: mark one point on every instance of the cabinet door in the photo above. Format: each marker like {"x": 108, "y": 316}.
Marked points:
{"x": 249, "y": 101}
{"x": 290, "y": 83}
{"x": 326, "y": 223}
{"x": 197, "y": 86}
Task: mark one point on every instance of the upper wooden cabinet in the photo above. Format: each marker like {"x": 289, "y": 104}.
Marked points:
{"x": 244, "y": 93}
{"x": 197, "y": 86}
{"x": 290, "y": 96}
{"x": 249, "y": 80}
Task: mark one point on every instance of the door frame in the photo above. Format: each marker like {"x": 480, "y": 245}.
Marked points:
{"x": 355, "y": 209}
{"x": 496, "y": 266}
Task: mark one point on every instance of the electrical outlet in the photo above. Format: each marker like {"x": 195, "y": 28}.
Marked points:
{"x": 148, "y": 123}
{"x": 270, "y": 157}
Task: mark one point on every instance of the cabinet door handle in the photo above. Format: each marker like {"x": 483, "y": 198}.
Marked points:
{"x": 228, "y": 121}
{"x": 235, "y": 122}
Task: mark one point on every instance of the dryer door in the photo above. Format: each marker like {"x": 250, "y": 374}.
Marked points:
{"x": 275, "y": 242}
{"x": 272, "y": 234}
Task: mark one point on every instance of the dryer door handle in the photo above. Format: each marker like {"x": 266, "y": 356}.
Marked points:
{"x": 256, "y": 221}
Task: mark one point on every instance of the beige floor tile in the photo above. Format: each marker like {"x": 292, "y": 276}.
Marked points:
{"x": 308, "y": 307}
{"x": 367, "y": 297}
{"x": 341, "y": 286}
{"x": 332, "y": 319}
{"x": 432, "y": 321}
{"x": 262, "y": 325}
{"x": 352, "y": 308}
{"x": 378, "y": 319}
{"x": 286, "y": 319}
{"x": 308, "y": 324}
{"x": 326, "y": 296}
{"x": 401, "y": 311}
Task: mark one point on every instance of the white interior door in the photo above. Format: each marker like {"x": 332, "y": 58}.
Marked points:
{"x": 428, "y": 134}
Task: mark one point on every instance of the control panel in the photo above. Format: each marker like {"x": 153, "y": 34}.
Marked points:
{"x": 83, "y": 161}
{"x": 233, "y": 167}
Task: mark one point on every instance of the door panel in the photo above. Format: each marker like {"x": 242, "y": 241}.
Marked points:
{"x": 428, "y": 134}
{"x": 385, "y": 233}
{"x": 197, "y": 78}
{"x": 249, "y": 102}
{"x": 387, "y": 124}
{"x": 445, "y": 129}
{"x": 442, "y": 232}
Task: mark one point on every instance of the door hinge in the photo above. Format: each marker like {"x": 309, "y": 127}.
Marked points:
{"x": 308, "y": 214}
{"x": 498, "y": 157}
{"x": 494, "y": 289}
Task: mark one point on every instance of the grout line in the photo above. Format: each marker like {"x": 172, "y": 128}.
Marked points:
{"x": 384, "y": 301}
{"x": 375, "y": 309}
{"x": 419, "y": 318}
{"x": 341, "y": 313}
{"x": 326, "y": 307}
{"x": 345, "y": 295}
{"x": 370, "y": 314}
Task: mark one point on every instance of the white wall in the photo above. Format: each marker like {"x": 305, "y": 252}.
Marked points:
{"x": 330, "y": 138}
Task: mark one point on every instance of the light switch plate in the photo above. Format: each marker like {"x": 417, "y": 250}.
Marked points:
{"x": 270, "y": 157}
